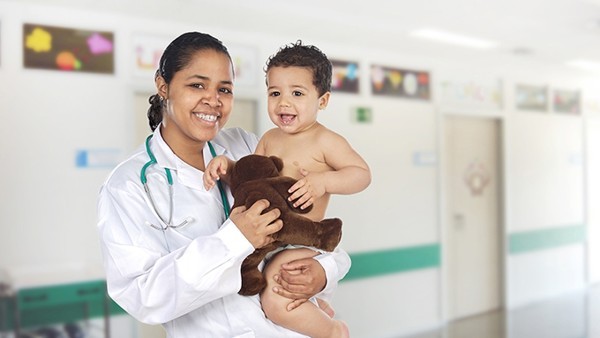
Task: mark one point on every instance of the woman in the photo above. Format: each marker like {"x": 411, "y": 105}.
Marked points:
{"x": 172, "y": 253}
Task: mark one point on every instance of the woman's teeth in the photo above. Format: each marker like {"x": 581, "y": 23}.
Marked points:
{"x": 206, "y": 117}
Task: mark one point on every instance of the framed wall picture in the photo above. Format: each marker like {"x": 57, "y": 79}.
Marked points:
{"x": 345, "y": 77}
{"x": 533, "y": 98}
{"x": 405, "y": 83}
{"x": 67, "y": 49}
{"x": 567, "y": 101}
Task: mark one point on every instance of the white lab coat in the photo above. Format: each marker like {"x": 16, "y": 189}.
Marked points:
{"x": 185, "y": 279}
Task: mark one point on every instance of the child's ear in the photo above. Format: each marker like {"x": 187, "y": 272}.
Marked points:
{"x": 324, "y": 100}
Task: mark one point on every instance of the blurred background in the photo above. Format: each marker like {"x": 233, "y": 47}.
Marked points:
{"x": 479, "y": 119}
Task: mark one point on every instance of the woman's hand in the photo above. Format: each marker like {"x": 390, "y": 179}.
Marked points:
{"x": 256, "y": 226}
{"x": 300, "y": 280}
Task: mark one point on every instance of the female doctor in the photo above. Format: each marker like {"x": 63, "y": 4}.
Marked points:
{"x": 172, "y": 250}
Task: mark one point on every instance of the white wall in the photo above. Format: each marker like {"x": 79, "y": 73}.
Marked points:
{"x": 49, "y": 205}
{"x": 593, "y": 194}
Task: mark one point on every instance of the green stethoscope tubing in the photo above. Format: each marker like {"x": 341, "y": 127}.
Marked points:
{"x": 226, "y": 206}
{"x": 144, "y": 179}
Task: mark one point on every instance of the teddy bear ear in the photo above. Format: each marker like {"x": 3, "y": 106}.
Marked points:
{"x": 277, "y": 161}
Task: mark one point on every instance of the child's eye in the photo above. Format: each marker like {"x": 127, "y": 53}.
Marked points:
{"x": 274, "y": 94}
{"x": 297, "y": 93}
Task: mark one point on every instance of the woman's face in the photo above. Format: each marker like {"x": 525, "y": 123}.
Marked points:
{"x": 199, "y": 99}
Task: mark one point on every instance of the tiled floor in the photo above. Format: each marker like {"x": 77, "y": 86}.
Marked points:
{"x": 572, "y": 316}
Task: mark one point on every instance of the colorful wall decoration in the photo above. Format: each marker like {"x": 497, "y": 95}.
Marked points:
{"x": 147, "y": 50}
{"x": 532, "y": 97}
{"x": 345, "y": 76}
{"x": 478, "y": 95}
{"x": 245, "y": 62}
{"x": 414, "y": 84}
{"x": 567, "y": 101}
{"x": 67, "y": 49}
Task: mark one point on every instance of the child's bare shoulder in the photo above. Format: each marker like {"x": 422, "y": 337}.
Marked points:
{"x": 330, "y": 137}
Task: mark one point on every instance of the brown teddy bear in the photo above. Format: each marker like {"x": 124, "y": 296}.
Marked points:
{"x": 256, "y": 177}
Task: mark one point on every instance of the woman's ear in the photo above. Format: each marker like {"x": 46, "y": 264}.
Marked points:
{"x": 161, "y": 86}
{"x": 324, "y": 100}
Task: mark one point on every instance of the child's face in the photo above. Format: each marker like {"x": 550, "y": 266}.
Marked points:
{"x": 293, "y": 100}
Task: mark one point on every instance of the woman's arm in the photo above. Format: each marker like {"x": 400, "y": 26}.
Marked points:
{"x": 156, "y": 286}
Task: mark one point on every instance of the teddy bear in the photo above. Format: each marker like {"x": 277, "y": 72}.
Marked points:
{"x": 256, "y": 177}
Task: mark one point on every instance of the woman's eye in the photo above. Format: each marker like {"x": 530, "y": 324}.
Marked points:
{"x": 197, "y": 85}
{"x": 226, "y": 91}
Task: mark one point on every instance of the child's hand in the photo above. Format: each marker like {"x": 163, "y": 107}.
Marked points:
{"x": 307, "y": 189}
{"x": 214, "y": 170}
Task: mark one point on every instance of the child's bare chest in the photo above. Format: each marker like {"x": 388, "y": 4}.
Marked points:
{"x": 294, "y": 159}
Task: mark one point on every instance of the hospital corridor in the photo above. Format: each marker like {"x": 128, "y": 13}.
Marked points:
{"x": 479, "y": 121}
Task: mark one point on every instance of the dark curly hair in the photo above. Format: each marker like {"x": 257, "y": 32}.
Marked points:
{"x": 177, "y": 56}
{"x": 306, "y": 56}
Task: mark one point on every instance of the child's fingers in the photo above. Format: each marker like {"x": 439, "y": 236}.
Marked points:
{"x": 299, "y": 184}
{"x": 304, "y": 201}
{"x": 208, "y": 183}
{"x": 307, "y": 204}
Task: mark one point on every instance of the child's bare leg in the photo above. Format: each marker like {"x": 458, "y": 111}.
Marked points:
{"x": 308, "y": 318}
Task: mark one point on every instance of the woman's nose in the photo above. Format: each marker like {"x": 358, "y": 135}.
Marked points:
{"x": 212, "y": 98}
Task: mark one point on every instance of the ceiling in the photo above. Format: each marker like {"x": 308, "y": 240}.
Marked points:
{"x": 547, "y": 31}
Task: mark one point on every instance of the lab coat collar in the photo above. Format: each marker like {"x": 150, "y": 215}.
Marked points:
{"x": 165, "y": 157}
{"x": 185, "y": 173}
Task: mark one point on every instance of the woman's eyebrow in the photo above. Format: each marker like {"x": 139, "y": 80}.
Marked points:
{"x": 206, "y": 78}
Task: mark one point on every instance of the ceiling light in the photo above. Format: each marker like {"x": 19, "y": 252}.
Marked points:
{"x": 585, "y": 64}
{"x": 453, "y": 38}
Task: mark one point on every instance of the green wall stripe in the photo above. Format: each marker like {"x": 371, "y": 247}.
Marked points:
{"x": 527, "y": 241}
{"x": 55, "y": 304}
{"x": 376, "y": 263}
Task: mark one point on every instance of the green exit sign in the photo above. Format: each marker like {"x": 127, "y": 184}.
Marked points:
{"x": 363, "y": 115}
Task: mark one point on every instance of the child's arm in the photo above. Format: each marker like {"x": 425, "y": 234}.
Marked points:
{"x": 215, "y": 169}
{"x": 350, "y": 173}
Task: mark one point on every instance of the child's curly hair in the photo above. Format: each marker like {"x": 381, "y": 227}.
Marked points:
{"x": 306, "y": 56}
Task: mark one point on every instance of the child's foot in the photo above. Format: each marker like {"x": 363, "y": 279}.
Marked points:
{"x": 323, "y": 305}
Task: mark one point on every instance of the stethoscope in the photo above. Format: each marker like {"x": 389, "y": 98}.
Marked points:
{"x": 168, "y": 223}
